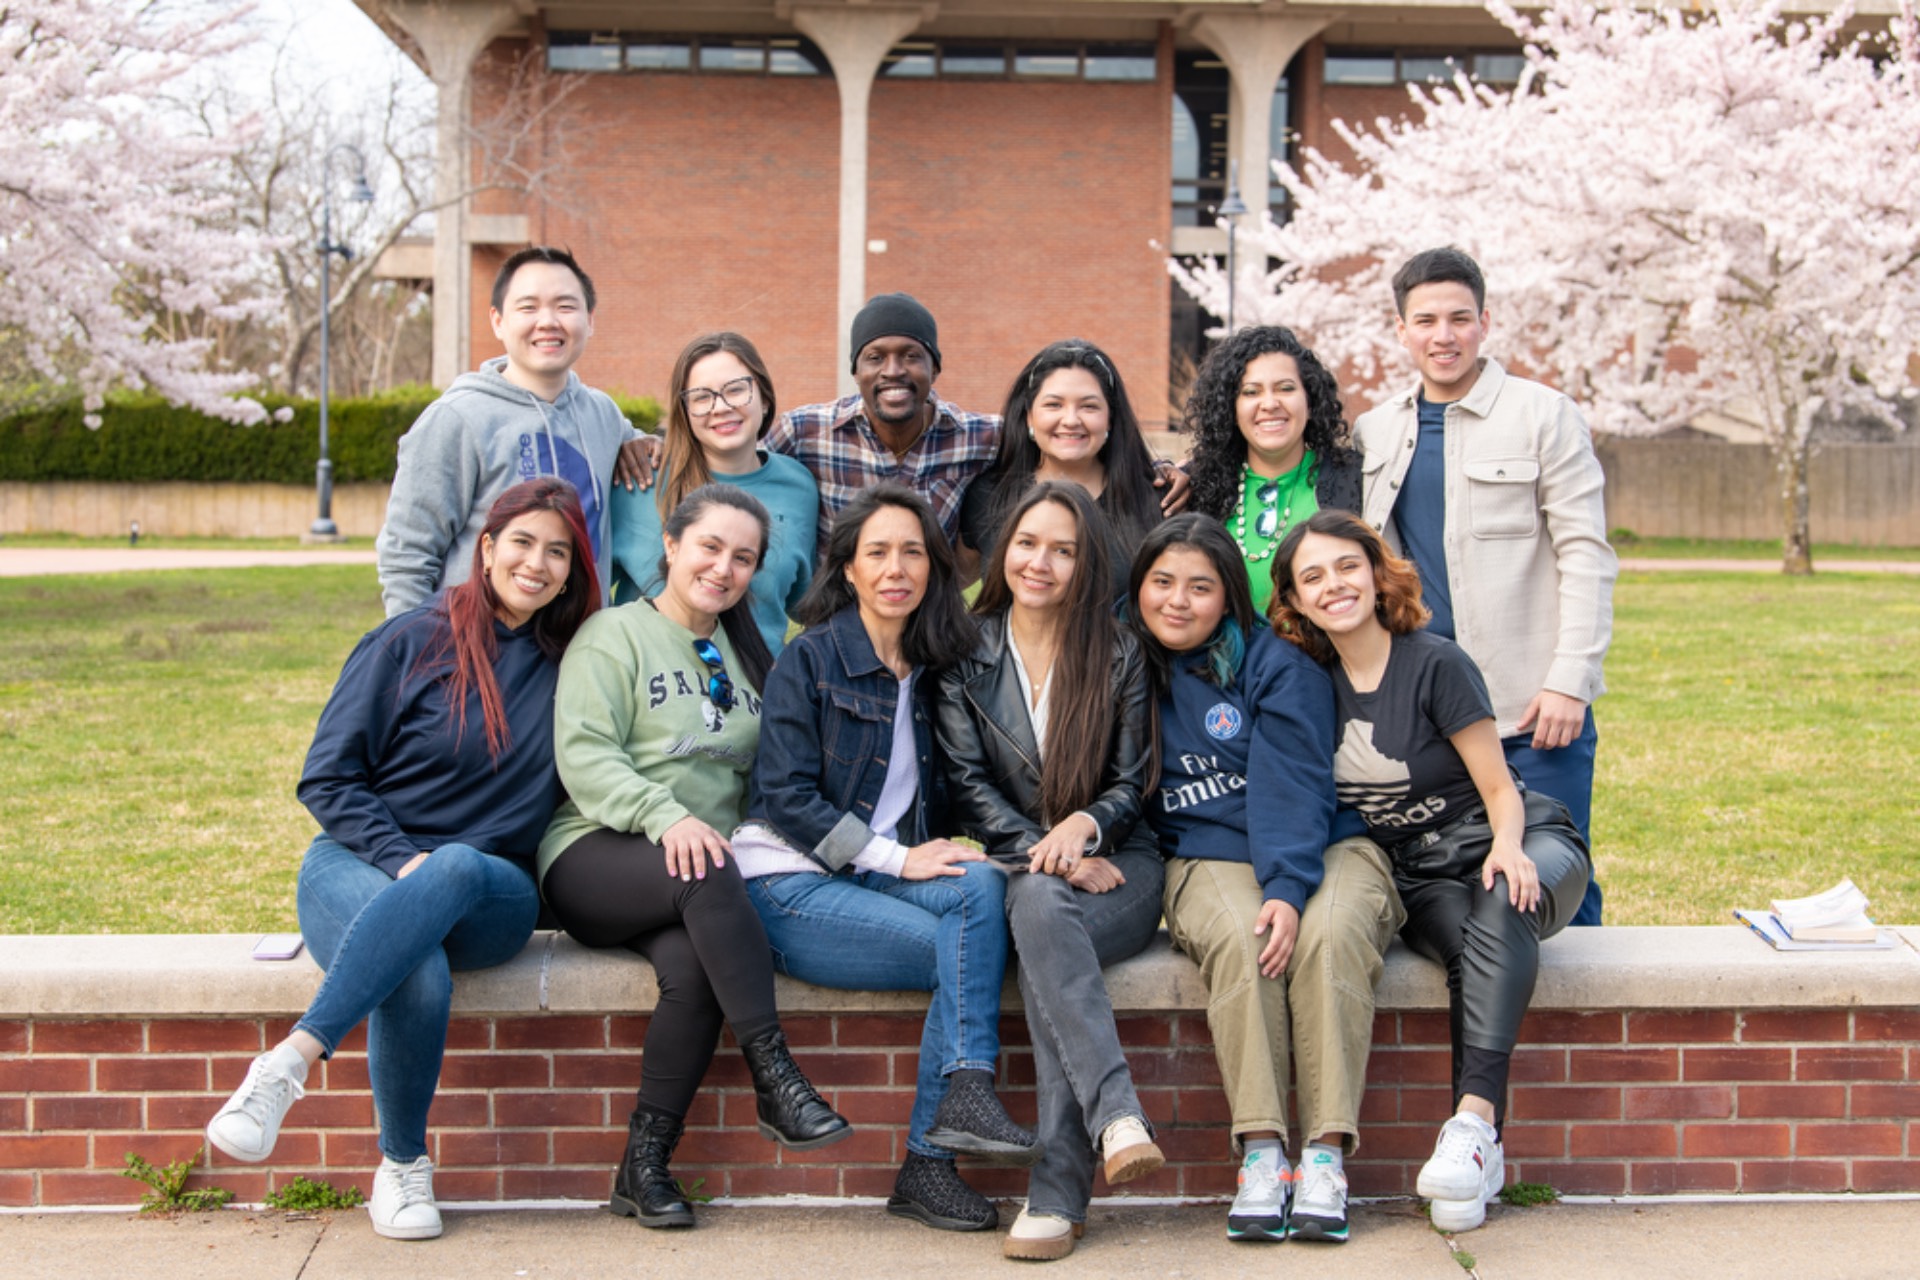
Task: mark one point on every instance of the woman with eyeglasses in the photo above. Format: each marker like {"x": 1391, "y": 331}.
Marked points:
{"x": 719, "y": 407}
{"x": 1270, "y": 444}
{"x": 656, "y": 726}
{"x": 1047, "y": 731}
{"x": 842, "y": 848}
{"x": 431, "y": 776}
{"x": 1068, "y": 418}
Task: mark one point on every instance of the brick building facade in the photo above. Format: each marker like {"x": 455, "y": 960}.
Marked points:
{"x": 1023, "y": 168}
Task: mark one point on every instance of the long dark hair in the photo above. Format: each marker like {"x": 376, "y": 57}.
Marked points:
{"x": 1219, "y": 450}
{"x": 684, "y": 461}
{"x": 1226, "y": 648}
{"x": 1396, "y": 583}
{"x": 749, "y": 646}
{"x": 466, "y": 646}
{"x": 1127, "y": 498}
{"x": 1080, "y": 716}
{"x": 939, "y": 633}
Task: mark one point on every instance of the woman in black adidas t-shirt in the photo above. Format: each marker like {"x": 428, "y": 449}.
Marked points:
{"x": 1483, "y": 873}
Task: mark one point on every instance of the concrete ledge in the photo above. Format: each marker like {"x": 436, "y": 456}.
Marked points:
{"x": 201, "y": 975}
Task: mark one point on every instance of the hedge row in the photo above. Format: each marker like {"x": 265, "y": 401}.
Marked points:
{"x": 142, "y": 438}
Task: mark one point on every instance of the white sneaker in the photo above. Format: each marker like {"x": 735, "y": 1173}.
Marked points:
{"x": 249, "y": 1124}
{"x": 1319, "y": 1199}
{"x": 1466, "y": 1171}
{"x": 1129, "y": 1150}
{"x": 402, "y": 1206}
{"x": 1040, "y": 1237}
{"x": 1259, "y": 1209}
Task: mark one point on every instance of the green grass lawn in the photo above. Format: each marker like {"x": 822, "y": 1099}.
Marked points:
{"x": 1762, "y": 737}
{"x": 150, "y": 542}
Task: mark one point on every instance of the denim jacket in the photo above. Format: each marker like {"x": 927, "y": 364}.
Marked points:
{"x": 826, "y": 730}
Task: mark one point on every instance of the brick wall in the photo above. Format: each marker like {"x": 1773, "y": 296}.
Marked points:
{"x": 1019, "y": 212}
{"x": 534, "y": 1106}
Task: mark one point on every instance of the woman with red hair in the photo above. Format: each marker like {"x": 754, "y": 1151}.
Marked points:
{"x": 432, "y": 778}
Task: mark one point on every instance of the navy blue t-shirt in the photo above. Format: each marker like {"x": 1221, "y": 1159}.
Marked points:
{"x": 1420, "y": 515}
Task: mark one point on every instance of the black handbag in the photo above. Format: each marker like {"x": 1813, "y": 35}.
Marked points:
{"x": 1457, "y": 849}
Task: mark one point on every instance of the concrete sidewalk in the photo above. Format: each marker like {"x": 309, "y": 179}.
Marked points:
{"x": 1765, "y": 1240}
{"x": 21, "y": 562}
{"x": 24, "y": 562}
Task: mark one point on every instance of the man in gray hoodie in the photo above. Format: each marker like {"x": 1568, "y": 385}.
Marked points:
{"x": 523, "y": 414}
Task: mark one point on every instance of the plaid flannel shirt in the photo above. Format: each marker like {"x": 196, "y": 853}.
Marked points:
{"x": 837, "y": 443}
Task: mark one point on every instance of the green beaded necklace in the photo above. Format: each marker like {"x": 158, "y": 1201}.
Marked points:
{"x": 1275, "y": 518}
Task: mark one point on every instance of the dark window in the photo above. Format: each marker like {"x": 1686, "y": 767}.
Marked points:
{"x": 710, "y": 55}
{"x": 973, "y": 60}
{"x": 1421, "y": 66}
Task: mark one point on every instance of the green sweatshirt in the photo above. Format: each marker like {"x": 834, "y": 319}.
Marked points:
{"x": 638, "y": 744}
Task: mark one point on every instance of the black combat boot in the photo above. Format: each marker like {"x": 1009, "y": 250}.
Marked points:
{"x": 792, "y": 1112}
{"x": 642, "y": 1187}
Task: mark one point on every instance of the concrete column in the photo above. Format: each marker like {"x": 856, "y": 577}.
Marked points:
{"x": 854, "y": 40}
{"x": 1256, "y": 48}
{"x": 448, "y": 35}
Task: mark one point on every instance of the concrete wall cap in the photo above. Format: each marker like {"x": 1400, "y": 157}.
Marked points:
{"x": 214, "y": 975}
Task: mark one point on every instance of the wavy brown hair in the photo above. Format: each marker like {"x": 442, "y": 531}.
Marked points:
{"x": 1396, "y": 583}
{"x": 1080, "y": 714}
{"x": 684, "y": 461}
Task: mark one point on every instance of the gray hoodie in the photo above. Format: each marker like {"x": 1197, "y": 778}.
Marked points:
{"x": 480, "y": 438}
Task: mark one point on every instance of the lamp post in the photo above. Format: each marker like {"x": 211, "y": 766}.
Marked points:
{"x": 1233, "y": 208}
{"x": 323, "y": 525}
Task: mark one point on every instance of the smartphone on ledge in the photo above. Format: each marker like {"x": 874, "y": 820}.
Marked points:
{"x": 277, "y": 946}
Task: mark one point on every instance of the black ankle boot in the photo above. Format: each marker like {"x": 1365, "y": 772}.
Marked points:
{"x": 642, "y": 1187}
{"x": 792, "y": 1112}
{"x": 972, "y": 1122}
{"x": 932, "y": 1191}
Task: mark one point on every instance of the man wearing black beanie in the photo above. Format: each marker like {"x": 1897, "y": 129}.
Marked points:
{"x": 895, "y": 428}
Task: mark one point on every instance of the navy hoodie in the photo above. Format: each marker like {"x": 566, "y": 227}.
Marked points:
{"x": 386, "y": 776}
{"x": 1256, "y": 757}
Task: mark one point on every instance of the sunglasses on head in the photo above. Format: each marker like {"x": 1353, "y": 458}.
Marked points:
{"x": 719, "y": 685}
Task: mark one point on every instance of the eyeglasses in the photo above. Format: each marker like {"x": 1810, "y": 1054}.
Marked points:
{"x": 737, "y": 394}
{"x": 719, "y": 686}
{"x": 1269, "y": 519}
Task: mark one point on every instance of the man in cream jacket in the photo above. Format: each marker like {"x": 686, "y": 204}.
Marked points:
{"x": 1489, "y": 483}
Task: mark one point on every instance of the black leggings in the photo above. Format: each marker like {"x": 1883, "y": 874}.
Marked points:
{"x": 1491, "y": 952}
{"x": 708, "y": 949}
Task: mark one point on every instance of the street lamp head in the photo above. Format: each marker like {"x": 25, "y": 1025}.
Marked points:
{"x": 361, "y": 191}
{"x": 1233, "y": 206}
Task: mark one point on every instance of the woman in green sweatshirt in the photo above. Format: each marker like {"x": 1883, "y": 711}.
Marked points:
{"x": 656, "y": 724}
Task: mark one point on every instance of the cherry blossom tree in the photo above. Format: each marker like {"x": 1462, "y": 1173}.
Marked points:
{"x": 113, "y": 222}
{"x": 1678, "y": 210}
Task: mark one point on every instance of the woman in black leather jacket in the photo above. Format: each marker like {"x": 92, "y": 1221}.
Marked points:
{"x": 1048, "y": 739}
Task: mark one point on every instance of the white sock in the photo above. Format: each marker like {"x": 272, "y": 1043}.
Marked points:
{"x": 1266, "y": 1151}
{"x": 288, "y": 1059}
{"x": 1324, "y": 1153}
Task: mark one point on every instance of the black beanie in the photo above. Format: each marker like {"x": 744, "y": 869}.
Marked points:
{"x": 895, "y": 315}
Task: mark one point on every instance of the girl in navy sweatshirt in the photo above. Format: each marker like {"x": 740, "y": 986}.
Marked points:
{"x": 431, "y": 775}
{"x": 1282, "y": 903}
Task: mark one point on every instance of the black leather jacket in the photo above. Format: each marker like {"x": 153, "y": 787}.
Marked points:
{"x": 993, "y": 763}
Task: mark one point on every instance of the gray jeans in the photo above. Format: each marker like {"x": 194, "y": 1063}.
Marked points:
{"x": 1063, "y": 937}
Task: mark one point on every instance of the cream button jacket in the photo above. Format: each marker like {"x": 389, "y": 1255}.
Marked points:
{"x": 1528, "y": 565}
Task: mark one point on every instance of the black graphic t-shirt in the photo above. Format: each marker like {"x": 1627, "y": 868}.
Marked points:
{"x": 1394, "y": 762}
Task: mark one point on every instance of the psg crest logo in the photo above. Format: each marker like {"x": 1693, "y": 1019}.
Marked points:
{"x": 1223, "y": 721}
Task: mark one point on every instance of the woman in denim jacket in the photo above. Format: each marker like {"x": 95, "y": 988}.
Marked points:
{"x": 1047, "y": 729}
{"x": 837, "y": 848}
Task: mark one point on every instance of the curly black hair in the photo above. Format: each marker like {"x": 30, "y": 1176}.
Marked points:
{"x": 1218, "y": 447}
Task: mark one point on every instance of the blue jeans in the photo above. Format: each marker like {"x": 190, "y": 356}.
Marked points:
{"x": 867, "y": 931}
{"x": 1065, "y": 936}
{"x": 389, "y": 948}
{"x": 1566, "y": 774}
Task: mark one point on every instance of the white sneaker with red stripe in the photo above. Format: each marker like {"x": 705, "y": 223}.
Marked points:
{"x": 1464, "y": 1174}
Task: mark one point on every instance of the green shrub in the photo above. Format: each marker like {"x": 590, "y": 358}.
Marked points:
{"x": 304, "y": 1196}
{"x": 142, "y": 439}
{"x": 168, "y": 1193}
